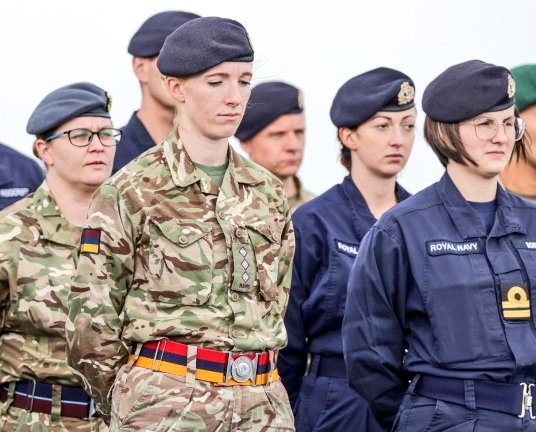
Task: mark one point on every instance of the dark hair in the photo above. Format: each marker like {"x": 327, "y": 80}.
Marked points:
{"x": 345, "y": 156}
{"x": 445, "y": 141}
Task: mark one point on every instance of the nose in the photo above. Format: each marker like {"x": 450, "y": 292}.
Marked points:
{"x": 234, "y": 95}
{"x": 95, "y": 144}
{"x": 397, "y": 137}
{"x": 500, "y": 135}
{"x": 294, "y": 142}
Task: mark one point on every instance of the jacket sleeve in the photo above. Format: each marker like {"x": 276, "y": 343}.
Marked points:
{"x": 292, "y": 360}
{"x": 373, "y": 325}
{"x": 101, "y": 282}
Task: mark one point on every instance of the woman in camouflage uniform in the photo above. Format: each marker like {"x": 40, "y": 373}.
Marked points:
{"x": 184, "y": 273}
{"x": 39, "y": 236}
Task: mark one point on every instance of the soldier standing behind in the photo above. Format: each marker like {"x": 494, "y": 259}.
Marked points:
{"x": 519, "y": 177}
{"x": 38, "y": 245}
{"x": 19, "y": 175}
{"x": 183, "y": 280}
{"x": 272, "y": 133}
{"x": 154, "y": 120}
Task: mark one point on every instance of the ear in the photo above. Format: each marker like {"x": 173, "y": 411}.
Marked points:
{"x": 175, "y": 87}
{"x": 140, "y": 68}
{"x": 348, "y": 137}
{"x": 42, "y": 151}
{"x": 246, "y": 146}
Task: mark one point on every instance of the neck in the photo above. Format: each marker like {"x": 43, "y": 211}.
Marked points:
{"x": 73, "y": 202}
{"x": 472, "y": 186}
{"x": 378, "y": 192}
{"x": 203, "y": 150}
{"x": 290, "y": 185}
{"x": 157, "y": 119}
{"x": 520, "y": 178}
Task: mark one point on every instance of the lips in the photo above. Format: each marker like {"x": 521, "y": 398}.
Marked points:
{"x": 96, "y": 163}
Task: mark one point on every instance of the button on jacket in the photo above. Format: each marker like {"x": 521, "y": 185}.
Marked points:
{"x": 430, "y": 279}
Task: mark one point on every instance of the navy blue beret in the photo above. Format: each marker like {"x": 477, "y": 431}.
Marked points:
{"x": 66, "y": 103}
{"x": 203, "y": 43}
{"x": 364, "y": 95}
{"x": 150, "y": 37}
{"x": 467, "y": 89}
{"x": 268, "y": 102}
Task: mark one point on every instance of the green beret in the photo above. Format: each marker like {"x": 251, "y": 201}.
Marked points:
{"x": 525, "y": 78}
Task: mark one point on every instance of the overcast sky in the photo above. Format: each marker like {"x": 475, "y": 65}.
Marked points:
{"x": 316, "y": 46}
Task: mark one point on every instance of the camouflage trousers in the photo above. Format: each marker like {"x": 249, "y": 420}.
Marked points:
{"x": 19, "y": 420}
{"x": 144, "y": 400}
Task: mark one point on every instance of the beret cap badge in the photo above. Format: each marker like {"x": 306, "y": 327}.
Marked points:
{"x": 406, "y": 93}
{"x": 300, "y": 99}
{"x": 108, "y": 102}
{"x": 511, "y": 86}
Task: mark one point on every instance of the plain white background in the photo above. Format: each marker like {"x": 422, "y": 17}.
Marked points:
{"x": 316, "y": 46}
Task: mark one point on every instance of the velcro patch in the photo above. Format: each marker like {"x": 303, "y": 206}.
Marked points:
{"x": 525, "y": 244}
{"x": 515, "y": 304}
{"x": 90, "y": 241}
{"x": 446, "y": 247}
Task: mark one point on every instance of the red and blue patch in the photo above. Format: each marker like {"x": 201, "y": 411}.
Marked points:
{"x": 90, "y": 241}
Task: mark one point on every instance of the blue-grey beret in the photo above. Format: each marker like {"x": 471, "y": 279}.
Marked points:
{"x": 364, "y": 95}
{"x": 150, "y": 37}
{"x": 268, "y": 102}
{"x": 74, "y": 100}
{"x": 467, "y": 89}
{"x": 525, "y": 78}
{"x": 203, "y": 43}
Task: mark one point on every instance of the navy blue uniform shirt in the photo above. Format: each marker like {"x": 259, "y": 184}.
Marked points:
{"x": 134, "y": 141}
{"x": 430, "y": 279}
{"x": 19, "y": 175}
{"x": 328, "y": 230}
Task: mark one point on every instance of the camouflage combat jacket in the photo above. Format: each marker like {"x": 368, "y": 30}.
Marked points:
{"x": 179, "y": 258}
{"x": 38, "y": 247}
{"x": 300, "y": 198}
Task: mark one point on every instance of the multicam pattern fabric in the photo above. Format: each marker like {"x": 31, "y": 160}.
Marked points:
{"x": 181, "y": 259}
{"x": 37, "y": 260}
{"x": 149, "y": 401}
{"x": 300, "y": 198}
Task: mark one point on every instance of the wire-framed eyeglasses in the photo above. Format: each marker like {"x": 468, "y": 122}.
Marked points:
{"x": 486, "y": 128}
{"x": 82, "y": 137}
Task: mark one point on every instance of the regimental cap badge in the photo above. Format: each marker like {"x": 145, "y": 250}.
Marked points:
{"x": 108, "y": 101}
{"x": 406, "y": 93}
{"x": 511, "y": 86}
{"x": 300, "y": 99}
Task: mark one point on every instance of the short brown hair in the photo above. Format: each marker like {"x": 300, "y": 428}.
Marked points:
{"x": 445, "y": 141}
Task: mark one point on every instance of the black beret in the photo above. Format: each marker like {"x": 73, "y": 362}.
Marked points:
{"x": 467, "y": 89}
{"x": 268, "y": 102}
{"x": 150, "y": 37}
{"x": 203, "y": 43}
{"x": 525, "y": 78}
{"x": 66, "y": 103}
{"x": 364, "y": 95}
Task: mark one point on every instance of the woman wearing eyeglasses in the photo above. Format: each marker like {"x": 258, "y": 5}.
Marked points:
{"x": 441, "y": 291}
{"x": 39, "y": 237}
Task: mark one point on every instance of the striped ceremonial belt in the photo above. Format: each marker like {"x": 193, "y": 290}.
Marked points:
{"x": 221, "y": 367}
{"x": 37, "y": 396}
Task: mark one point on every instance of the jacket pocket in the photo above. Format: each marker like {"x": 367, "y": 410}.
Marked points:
{"x": 180, "y": 262}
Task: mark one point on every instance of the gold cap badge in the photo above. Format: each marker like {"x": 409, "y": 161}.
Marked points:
{"x": 108, "y": 101}
{"x": 511, "y": 86}
{"x": 300, "y": 99}
{"x": 406, "y": 93}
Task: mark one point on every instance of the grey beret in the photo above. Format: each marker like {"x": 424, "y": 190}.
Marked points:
{"x": 150, "y": 37}
{"x": 467, "y": 89}
{"x": 268, "y": 102}
{"x": 203, "y": 43}
{"x": 61, "y": 105}
{"x": 364, "y": 95}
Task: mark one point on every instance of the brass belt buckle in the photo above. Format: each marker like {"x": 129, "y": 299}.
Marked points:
{"x": 242, "y": 368}
{"x": 526, "y": 401}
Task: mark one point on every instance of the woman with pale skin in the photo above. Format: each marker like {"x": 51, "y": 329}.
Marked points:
{"x": 76, "y": 141}
{"x": 181, "y": 287}
{"x": 440, "y": 295}
{"x": 375, "y": 118}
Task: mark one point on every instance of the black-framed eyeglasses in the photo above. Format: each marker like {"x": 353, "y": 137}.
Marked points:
{"x": 81, "y": 137}
{"x": 486, "y": 128}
